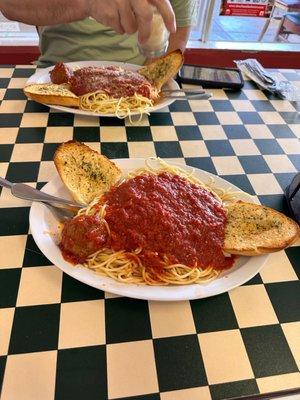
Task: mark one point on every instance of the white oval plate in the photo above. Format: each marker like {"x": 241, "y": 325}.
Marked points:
{"x": 42, "y": 76}
{"x": 42, "y": 221}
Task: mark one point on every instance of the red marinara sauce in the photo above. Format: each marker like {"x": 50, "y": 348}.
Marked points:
{"x": 82, "y": 236}
{"x": 167, "y": 216}
{"x": 113, "y": 80}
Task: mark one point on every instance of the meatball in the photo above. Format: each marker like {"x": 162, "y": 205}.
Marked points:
{"x": 83, "y": 236}
{"x": 61, "y": 73}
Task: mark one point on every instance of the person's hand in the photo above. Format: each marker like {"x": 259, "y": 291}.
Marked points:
{"x": 130, "y": 16}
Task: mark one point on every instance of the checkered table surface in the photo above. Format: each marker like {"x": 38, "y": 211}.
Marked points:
{"x": 60, "y": 339}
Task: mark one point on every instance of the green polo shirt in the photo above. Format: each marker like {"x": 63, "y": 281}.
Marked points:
{"x": 89, "y": 40}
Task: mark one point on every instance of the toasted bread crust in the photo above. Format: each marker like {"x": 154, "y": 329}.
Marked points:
{"x": 86, "y": 173}
{"x": 163, "y": 69}
{"x": 55, "y": 100}
{"x": 253, "y": 229}
{"x": 52, "y": 94}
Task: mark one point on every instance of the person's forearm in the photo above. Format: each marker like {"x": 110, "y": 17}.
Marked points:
{"x": 46, "y": 12}
{"x": 178, "y": 40}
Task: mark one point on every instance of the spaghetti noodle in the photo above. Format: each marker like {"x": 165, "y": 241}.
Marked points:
{"x": 113, "y": 90}
{"x": 159, "y": 200}
{"x": 101, "y": 103}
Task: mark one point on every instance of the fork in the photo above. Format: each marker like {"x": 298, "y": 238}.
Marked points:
{"x": 196, "y": 96}
{"x": 189, "y": 90}
{"x": 62, "y": 209}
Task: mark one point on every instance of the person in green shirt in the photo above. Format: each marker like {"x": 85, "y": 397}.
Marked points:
{"x": 84, "y": 30}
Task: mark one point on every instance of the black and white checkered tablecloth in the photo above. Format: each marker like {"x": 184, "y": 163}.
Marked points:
{"x": 60, "y": 339}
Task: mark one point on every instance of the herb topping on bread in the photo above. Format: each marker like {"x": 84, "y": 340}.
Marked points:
{"x": 86, "y": 173}
{"x": 253, "y": 229}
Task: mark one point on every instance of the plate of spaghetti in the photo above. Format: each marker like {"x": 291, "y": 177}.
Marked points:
{"x": 160, "y": 232}
{"x": 105, "y": 88}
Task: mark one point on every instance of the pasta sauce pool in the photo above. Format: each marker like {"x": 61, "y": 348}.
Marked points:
{"x": 170, "y": 219}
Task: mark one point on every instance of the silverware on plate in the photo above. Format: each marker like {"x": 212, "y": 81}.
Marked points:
{"x": 61, "y": 208}
{"x": 202, "y": 96}
{"x": 189, "y": 90}
{"x": 185, "y": 94}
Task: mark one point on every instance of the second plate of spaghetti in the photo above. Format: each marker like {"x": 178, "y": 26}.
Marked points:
{"x": 174, "y": 285}
{"x": 42, "y": 77}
